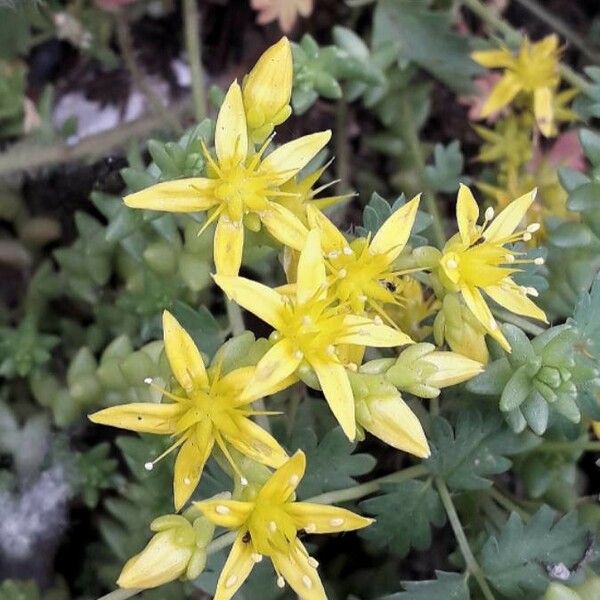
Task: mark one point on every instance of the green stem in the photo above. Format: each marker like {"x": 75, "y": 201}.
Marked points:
{"x": 513, "y": 38}
{"x": 416, "y": 150}
{"x": 519, "y": 321}
{"x": 472, "y": 564}
{"x": 508, "y": 504}
{"x": 194, "y": 52}
{"x": 558, "y": 25}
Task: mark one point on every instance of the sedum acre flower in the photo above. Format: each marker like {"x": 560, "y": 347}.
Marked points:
{"x": 267, "y": 90}
{"x": 209, "y": 409}
{"x": 309, "y": 328}
{"x": 240, "y": 186}
{"x": 268, "y": 525}
{"x": 534, "y": 71}
{"x": 476, "y": 260}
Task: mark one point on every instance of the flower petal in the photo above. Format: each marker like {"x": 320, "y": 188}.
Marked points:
{"x": 493, "y": 59}
{"x": 284, "y": 226}
{"x": 283, "y": 483}
{"x": 508, "y": 220}
{"x": 228, "y": 246}
{"x": 190, "y": 462}
{"x": 502, "y": 94}
{"x": 144, "y": 417}
{"x": 332, "y": 238}
{"x": 236, "y": 569}
{"x": 477, "y": 305}
{"x": 224, "y": 512}
{"x": 512, "y": 298}
{"x": 467, "y": 214}
{"x": 391, "y": 420}
{"x": 284, "y": 162}
{"x": 184, "y": 357}
{"x": 338, "y": 393}
{"x": 452, "y": 368}
{"x": 365, "y": 332}
{"x": 320, "y": 518}
{"x": 543, "y": 109}
{"x": 311, "y": 282}
{"x": 181, "y": 195}
{"x": 231, "y": 132}
{"x": 394, "y": 233}
{"x": 259, "y": 299}
{"x": 299, "y": 573}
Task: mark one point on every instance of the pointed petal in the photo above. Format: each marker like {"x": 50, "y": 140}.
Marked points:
{"x": 320, "y": 518}
{"x": 452, "y": 368}
{"x": 184, "y": 357}
{"x": 259, "y": 299}
{"x": 300, "y": 575}
{"x": 512, "y": 298}
{"x": 502, "y": 94}
{"x": 543, "y": 109}
{"x": 284, "y": 226}
{"x": 391, "y": 420}
{"x": 236, "y": 569}
{"x": 231, "y": 132}
{"x": 365, "y": 332}
{"x": 235, "y": 381}
{"x": 144, "y": 417}
{"x": 181, "y": 195}
{"x": 224, "y": 512}
{"x": 283, "y": 483}
{"x": 338, "y": 393}
{"x": 467, "y": 214}
{"x": 275, "y": 366}
{"x": 508, "y": 220}
{"x": 394, "y": 233}
{"x": 190, "y": 462}
{"x": 332, "y": 238}
{"x": 284, "y": 162}
{"x": 493, "y": 59}
{"x": 229, "y": 246}
{"x": 311, "y": 274}
{"x": 477, "y": 305}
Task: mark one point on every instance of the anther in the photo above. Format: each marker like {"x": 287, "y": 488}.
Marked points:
{"x": 298, "y": 355}
{"x": 312, "y": 562}
{"x": 333, "y": 254}
{"x": 377, "y": 320}
{"x": 532, "y": 292}
{"x": 538, "y": 261}
{"x": 306, "y": 580}
{"x": 352, "y": 367}
{"x": 256, "y": 557}
{"x": 306, "y": 320}
{"x": 336, "y": 522}
{"x": 330, "y": 349}
{"x": 347, "y": 250}
{"x": 362, "y": 297}
{"x": 294, "y": 479}
{"x": 222, "y": 509}
{"x": 149, "y": 466}
{"x": 148, "y": 380}
{"x": 231, "y": 581}
{"x": 310, "y": 528}
{"x": 272, "y": 526}
{"x": 533, "y": 227}
{"x": 243, "y": 481}
{"x": 280, "y": 582}
{"x": 526, "y": 236}
{"x": 451, "y": 264}
{"x": 342, "y": 273}
{"x": 493, "y": 324}
{"x": 509, "y": 258}
{"x": 489, "y": 213}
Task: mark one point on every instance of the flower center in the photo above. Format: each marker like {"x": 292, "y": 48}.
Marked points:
{"x": 271, "y": 528}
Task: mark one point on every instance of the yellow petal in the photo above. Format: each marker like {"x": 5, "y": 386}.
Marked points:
{"x": 332, "y": 238}
{"x": 299, "y": 573}
{"x": 391, "y": 420}
{"x": 543, "y": 109}
{"x": 452, "y": 368}
{"x": 508, "y": 220}
{"x": 338, "y": 393}
{"x": 184, "y": 357}
{"x": 283, "y": 483}
{"x": 190, "y": 462}
{"x": 231, "y": 134}
{"x": 236, "y": 569}
{"x": 224, "y": 512}
{"x": 477, "y": 305}
{"x": 182, "y": 195}
{"x": 596, "y": 428}
{"x": 144, "y": 417}
{"x": 284, "y": 162}
{"x": 502, "y": 94}
{"x": 365, "y": 332}
{"x": 229, "y": 246}
{"x": 274, "y": 367}
{"x": 259, "y": 299}
{"x": 311, "y": 283}
{"x": 320, "y": 518}
{"x": 394, "y": 233}
{"x": 234, "y": 382}
{"x": 467, "y": 214}
{"x": 284, "y": 226}
{"x": 493, "y": 59}
{"x": 512, "y": 298}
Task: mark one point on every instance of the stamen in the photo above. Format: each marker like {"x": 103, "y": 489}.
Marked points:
{"x": 243, "y": 481}
{"x": 306, "y": 320}
{"x": 509, "y": 258}
{"x": 280, "y": 582}
{"x": 533, "y": 227}
{"x": 336, "y": 522}
{"x": 149, "y": 381}
{"x": 149, "y": 466}
{"x": 526, "y": 236}
{"x": 310, "y": 528}
{"x": 362, "y": 297}
{"x": 333, "y": 254}
{"x": 451, "y": 264}
{"x": 347, "y": 250}
{"x": 312, "y": 562}
{"x": 489, "y": 213}
{"x": 294, "y": 479}
{"x": 539, "y": 260}
{"x": 342, "y": 273}
{"x": 272, "y": 526}
{"x": 298, "y": 355}
{"x": 257, "y": 557}
{"x": 377, "y": 320}
{"x": 493, "y": 324}
{"x": 352, "y": 367}
{"x": 331, "y": 349}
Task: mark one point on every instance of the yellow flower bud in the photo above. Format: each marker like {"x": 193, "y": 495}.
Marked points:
{"x": 267, "y": 90}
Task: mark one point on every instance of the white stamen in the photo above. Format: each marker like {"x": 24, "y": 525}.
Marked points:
{"x": 306, "y": 580}
{"x": 149, "y": 466}
{"x": 378, "y": 320}
{"x": 489, "y": 213}
{"x": 330, "y": 349}
{"x": 257, "y": 557}
{"x": 532, "y": 292}
{"x": 347, "y": 250}
{"x": 451, "y": 264}
{"x": 310, "y": 528}
{"x": 336, "y": 522}
{"x": 294, "y": 479}
{"x": 272, "y": 526}
{"x": 222, "y": 509}
{"x": 333, "y": 254}
{"x": 306, "y": 320}
{"x": 362, "y": 297}
{"x": 493, "y": 324}
{"x": 538, "y": 261}
{"x": 187, "y": 480}
{"x": 231, "y": 581}
{"x": 280, "y": 582}
{"x": 298, "y": 355}
{"x": 533, "y": 227}
{"x": 243, "y": 481}
{"x": 509, "y": 258}
{"x": 312, "y": 562}
{"x": 148, "y": 380}
{"x": 342, "y": 273}
{"x": 352, "y": 367}
{"x": 526, "y": 236}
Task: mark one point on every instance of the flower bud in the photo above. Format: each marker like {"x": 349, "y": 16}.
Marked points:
{"x": 267, "y": 89}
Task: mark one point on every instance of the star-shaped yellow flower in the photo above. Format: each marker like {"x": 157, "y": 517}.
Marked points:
{"x": 476, "y": 260}
{"x": 209, "y": 409}
{"x": 268, "y": 525}
{"x": 240, "y": 184}
{"x": 534, "y": 71}
{"x": 309, "y": 328}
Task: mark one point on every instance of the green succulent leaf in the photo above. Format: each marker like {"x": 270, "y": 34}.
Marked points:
{"x": 446, "y": 586}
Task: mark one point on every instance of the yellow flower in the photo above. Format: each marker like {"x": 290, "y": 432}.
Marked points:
{"x": 209, "y": 410}
{"x": 240, "y": 186}
{"x": 268, "y": 525}
{"x": 475, "y": 259}
{"x": 534, "y": 71}
{"x": 362, "y": 272}
{"x": 267, "y": 90}
{"x": 309, "y": 328}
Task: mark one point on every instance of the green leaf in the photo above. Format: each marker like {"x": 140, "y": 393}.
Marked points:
{"x": 331, "y": 462}
{"x": 445, "y": 173}
{"x": 201, "y": 325}
{"x": 404, "y": 516}
{"x": 447, "y": 586}
{"x": 477, "y": 447}
{"x": 518, "y": 560}
{"x": 586, "y": 318}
